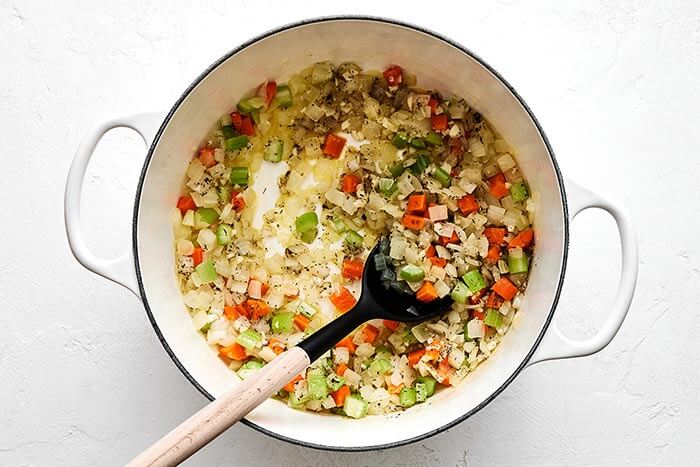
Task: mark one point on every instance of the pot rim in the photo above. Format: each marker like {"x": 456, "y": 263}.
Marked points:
{"x": 393, "y": 22}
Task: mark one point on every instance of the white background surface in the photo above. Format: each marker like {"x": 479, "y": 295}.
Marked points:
{"x": 615, "y": 85}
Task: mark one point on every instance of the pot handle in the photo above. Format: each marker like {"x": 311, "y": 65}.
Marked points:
{"x": 555, "y": 345}
{"x": 121, "y": 269}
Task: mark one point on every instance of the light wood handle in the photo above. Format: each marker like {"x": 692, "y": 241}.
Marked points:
{"x": 223, "y": 412}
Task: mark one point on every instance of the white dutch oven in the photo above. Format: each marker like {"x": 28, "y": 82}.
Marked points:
{"x": 440, "y": 64}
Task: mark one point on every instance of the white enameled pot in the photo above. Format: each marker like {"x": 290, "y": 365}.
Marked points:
{"x": 441, "y": 64}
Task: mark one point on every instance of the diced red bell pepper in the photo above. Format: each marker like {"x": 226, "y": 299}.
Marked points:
{"x": 497, "y": 186}
{"x": 185, "y": 203}
{"x": 439, "y": 122}
{"x": 333, "y": 146}
{"x": 393, "y": 76}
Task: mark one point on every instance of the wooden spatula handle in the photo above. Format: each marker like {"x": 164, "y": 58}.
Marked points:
{"x": 223, "y": 412}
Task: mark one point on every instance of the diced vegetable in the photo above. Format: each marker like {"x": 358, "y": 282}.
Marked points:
{"x": 474, "y": 280}
{"x": 495, "y": 235}
{"x": 317, "y": 386}
{"x": 418, "y": 143}
{"x": 443, "y": 177}
{"x": 400, "y": 140}
{"x": 301, "y": 322}
{"x": 517, "y": 263}
{"x": 306, "y": 222}
{"x": 407, "y": 397}
{"x": 206, "y": 272}
{"x": 239, "y": 175}
{"x": 249, "y": 339}
{"x": 379, "y": 366}
{"x": 352, "y": 269}
{"x": 393, "y": 76}
{"x": 233, "y": 352}
{"x": 283, "y": 97}
{"x": 523, "y": 239}
{"x": 387, "y": 186}
{"x": 307, "y": 309}
{"x": 335, "y": 382}
{"x": 505, "y": 288}
{"x": 342, "y": 300}
{"x": 413, "y": 222}
{"x": 370, "y": 333}
{"x": 273, "y": 150}
{"x": 206, "y": 216}
{"x": 350, "y": 182}
{"x": 354, "y": 406}
{"x": 333, "y": 146}
{"x": 460, "y": 292}
{"x": 430, "y": 383}
{"x": 434, "y": 138}
{"x": 468, "y": 204}
{"x": 518, "y": 192}
{"x": 235, "y": 143}
{"x": 197, "y": 256}
{"x": 421, "y": 392}
{"x": 497, "y": 186}
{"x": 185, "y": 203}
{"x": 417, "y": 204}
{"x": 396, "y": 169}
{"x": 223, "y": 234}
{"x": 426, "y": 293}
{"x": 282, "y": 322}
{"x": 246, "y": 106}
{"x": 353, "y": 239}
{"x": 493, "y": 318}
{"x": 339, "y": 226}
{"x": 341, "y": 395}
{"x": 249, "y": 368}
{"x": 412, "y": 273}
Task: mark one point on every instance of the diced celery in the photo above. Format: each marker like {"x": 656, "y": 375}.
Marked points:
{"x": 418, "y": 143}
{"x": 246, "y": 106}
{"x": 412, "y": 273}
{"x": 396, "y": 169}
{"x": 407, "y": 397}
{"x": 223, "y": 234}
{"x": 355, "y": 406}
{"x": 316, "y": 382}
{"x": 443, "y": 177}
{"x": 493, "y": 318}
{"x": 273, "y": 150}
{"x": 379, "y": 366}
{"x": 224, "y": 193}
{"x": 249, "y": 338}
{"x": 421, "y": 392}
{"x": 339, "y": 226}
{"x": 434, "y": 138}
{"x": 474, "y": 280}
{"x": 382, "y": 349}
{"x": 307, "y": 221}
{"x": 418, "y": 167}
{"x": 282, "y": 322}
{"x": 309, "y": 236}
{"x": 236, "y": 142}
{"x": 334, "y": 382}
{"x": 387, "y": 186}
{"x": 249, "y": 368}
{"x": 307, "y": 309}
{"x": 353, "y": 239}
{"x": 239, "y": 175}
{"x": 518, "y": 191}
{"x": 460, "y": 292}
{"x": 206, "y": 272}
{"x": 283, "y": 97}
{"x": 228, "y": 131}
{"x": 296, "y": 401}
{"x": 206, "y": 215}
{"x": 400, "y": 140}
{"x": 517, "y": 264}
{"x": 429, "y": 382}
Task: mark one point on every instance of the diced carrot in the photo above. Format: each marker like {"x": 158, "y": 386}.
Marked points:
{"x": 233, "y": 352}
{"x": 415, "y": 356}
{"x": 275, "y": 345}
{"x": 197, "y": 256}
{"x": 445, "y": 370}
{"x": 340, "y": 395}
{"x": 494, "y": 301}
{"x": 393, "y": 76}
{"x": 370, "y": 333}
{"x": 468, "y": 204}
{"x": 391, "y": 389}
{"x": 494, "y": 254}
{"x": 256, "y": 308}
{"x": 347, "y": 343}
{"x": 301, "y": 322}
{"x": 439, "y": 262}
{"x": 445, "y": 240}
{"x": 264, "y": 289}
{"x": 433, "y": 103}
{"x": 478, "y": 314}
{"x": 289, "y": 387}
{"x": 340, "y": 369}
{"x": 432, "y": 354}
{"x": 352, "y": 269}
{"x": 413, "y": 222}
{"x": 497, "y": 186}
{"x": 505, "y": 288}
{"x": 417, "y": 204}
{"x": 333, "y": 146}
{"x": 430, "y": 251}
{"x": 342, "y": 300}
{"x": 206, "y": 157}
{"x": 440, "y": 122}
{"x": 238, "y": 202}
{"x": 495, "y": 235}
{"x": 185, "y": 203}
{"x": 523, "y": 239}
{"x": 426, "y": 293}
{"x": 231, "y": 312}
{"x": 389, "y": 324}
{"x": 349, "y": 183}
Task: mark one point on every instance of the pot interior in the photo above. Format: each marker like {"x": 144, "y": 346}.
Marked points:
{"x": 438, "y": 65}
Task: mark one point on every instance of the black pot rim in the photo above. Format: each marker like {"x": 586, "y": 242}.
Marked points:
{"x": 394, "y": 22}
